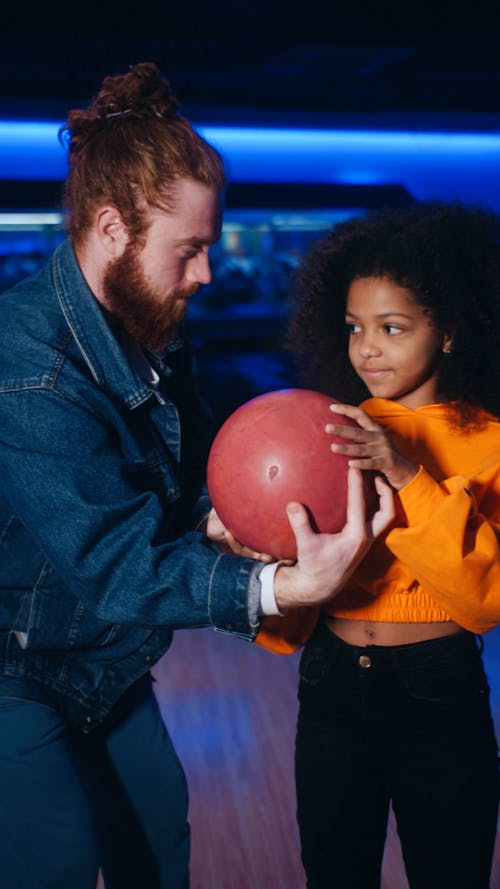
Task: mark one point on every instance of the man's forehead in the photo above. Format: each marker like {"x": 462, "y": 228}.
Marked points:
{"x": 197, "y": 223}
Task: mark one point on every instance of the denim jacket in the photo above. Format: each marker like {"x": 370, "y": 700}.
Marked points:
{"x": 102, "y": 478}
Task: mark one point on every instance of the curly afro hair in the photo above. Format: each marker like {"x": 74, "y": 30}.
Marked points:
{"x": 448, "y": 256}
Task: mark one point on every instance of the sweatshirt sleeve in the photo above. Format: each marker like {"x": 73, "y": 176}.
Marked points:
{"x": 284, "y": 635}
{"x": 451, "y": 542}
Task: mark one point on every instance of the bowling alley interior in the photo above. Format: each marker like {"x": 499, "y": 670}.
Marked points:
{"x": 322, "y": 111}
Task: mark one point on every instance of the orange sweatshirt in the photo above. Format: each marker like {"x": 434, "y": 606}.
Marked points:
{"x": 440, "y": 558}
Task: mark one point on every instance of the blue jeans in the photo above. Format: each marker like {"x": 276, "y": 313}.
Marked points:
{"x": 411, "y": 726}
{"x": 71, "y": 803}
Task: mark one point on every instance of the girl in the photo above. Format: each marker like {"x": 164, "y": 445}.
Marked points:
{"x": 404, "y": 306}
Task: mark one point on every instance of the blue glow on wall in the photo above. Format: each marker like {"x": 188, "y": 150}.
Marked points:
{"x": 31, "y": 150}
{"x": 448, "y": 166}
{"x": 444, "y": 165}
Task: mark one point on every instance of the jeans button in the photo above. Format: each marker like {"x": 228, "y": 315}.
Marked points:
{"x": 365, "y": 661}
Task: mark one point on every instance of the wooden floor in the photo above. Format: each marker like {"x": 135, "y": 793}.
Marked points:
{"x": 231, "y": 710}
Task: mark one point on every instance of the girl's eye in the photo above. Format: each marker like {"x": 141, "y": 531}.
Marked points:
{"x": 393, "y": 329}
{"x": 352, "y": 328}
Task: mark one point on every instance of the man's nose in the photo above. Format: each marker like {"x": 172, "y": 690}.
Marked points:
{"x": 199, "y": 271}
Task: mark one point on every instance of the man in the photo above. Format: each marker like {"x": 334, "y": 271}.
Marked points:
{"x": 103, "y": 445}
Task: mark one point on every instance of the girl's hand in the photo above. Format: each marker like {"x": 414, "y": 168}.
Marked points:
{"x": 370, "y": 447}
{"x": 216, "y": 531}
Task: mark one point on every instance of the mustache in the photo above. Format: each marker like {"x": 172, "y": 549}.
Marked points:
{"x": 187, "y": 292}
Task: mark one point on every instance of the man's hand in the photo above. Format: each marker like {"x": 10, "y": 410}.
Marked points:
{"x": 215, "y": 530}
{"x": 326, "y": 561}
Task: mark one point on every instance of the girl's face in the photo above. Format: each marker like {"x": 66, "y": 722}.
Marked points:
{"x": 393, "y": 345}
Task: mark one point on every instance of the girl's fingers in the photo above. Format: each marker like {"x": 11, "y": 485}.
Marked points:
{"x": 353, "y": 433}
{"x": 355, "y": 449}
{"x": 355, "y": 413}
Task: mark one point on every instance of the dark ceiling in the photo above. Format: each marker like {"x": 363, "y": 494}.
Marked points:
{"x": 260, "y": 57}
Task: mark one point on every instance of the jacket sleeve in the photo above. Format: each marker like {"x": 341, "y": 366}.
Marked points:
{"x": 451, "y": 543}
{"x": 105, "y": 522}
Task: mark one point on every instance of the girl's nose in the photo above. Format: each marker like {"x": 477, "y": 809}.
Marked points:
{"x": 368, "y": 347}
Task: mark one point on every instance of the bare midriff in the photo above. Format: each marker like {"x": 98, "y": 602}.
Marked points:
{"x": 373, "y": 632}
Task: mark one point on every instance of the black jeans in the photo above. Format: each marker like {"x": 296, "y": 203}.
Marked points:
{"x": 409, "y": 724}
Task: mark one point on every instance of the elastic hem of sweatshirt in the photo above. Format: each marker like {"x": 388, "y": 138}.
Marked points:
{"x": 390, "y": 607}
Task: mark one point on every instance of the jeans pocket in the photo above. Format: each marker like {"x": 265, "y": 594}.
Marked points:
{"x": 453, "y": 675}
{"x": 318, "y": 658}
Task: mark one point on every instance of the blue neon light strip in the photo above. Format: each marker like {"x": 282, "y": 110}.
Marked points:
{"x": 31, "y": 150}
{"x": 447, "y": 165}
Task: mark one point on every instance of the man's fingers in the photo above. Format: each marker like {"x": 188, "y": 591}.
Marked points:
{"x": 356, "y": 512}
{"x": 215, "y": 530}
{"x": 297, "y": 516}
{"x": 300, "y": 523}
{"x": 386, "y": 510}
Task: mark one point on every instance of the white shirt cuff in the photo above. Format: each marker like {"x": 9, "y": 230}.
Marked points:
{"x": 267, "y": 598}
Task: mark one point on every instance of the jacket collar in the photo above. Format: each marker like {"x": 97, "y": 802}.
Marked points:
{"x": 93, "y": 335}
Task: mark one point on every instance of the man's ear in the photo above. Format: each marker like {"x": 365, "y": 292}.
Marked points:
{"x": 111, "y": 231}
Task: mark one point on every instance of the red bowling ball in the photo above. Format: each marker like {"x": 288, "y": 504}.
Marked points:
{"x": 271, "y": 450}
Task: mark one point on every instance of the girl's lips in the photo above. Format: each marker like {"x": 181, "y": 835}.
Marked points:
{"x": 373, "y": 372}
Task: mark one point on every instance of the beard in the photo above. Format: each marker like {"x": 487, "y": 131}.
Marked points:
{"x": 154, "y": 322}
